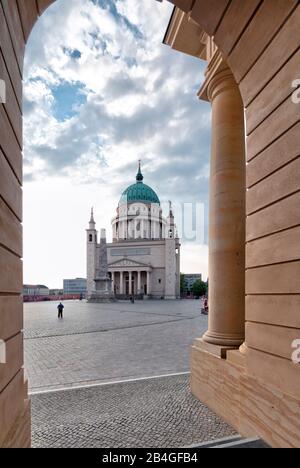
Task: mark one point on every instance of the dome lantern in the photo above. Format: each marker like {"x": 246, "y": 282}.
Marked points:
{"x": 139, "y": 176}
{"x": 139, "y": 192}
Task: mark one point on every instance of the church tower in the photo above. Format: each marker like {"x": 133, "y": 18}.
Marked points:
{"x": 170, "y": 258}
{"x": 91, "y": 254}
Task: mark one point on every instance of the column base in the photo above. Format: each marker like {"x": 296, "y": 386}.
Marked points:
{"x": 252, "y": 407}
{"x": 216, "y": 350}
{"x": 220, "y": 339}
{"x": 217, "y": 383}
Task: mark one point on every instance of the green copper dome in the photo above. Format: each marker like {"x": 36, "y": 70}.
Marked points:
{"x": 139, "y": 192}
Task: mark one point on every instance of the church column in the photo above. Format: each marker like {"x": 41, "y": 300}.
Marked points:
{"x": 142, "y": 228}
{"x": 148, "y": 283}
{"x": 121, "y": 282}
{"x": 130, "y": 282}
{"x": 135, "y": 223}
{"x": 139, "y": 283}
{"x": 227, "y": 213}
{"x": 113, "y": 281}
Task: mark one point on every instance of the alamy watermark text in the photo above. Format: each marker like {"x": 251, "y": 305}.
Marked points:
{"x": 2, "y": 352}
{"x": 296, "y": 94}
{"x": 296, "y": 353}
{"x": 2, "y": 92}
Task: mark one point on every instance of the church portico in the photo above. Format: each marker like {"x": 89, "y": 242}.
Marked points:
{"x": 130, "y": 282}
{"x": 130, "y": 279}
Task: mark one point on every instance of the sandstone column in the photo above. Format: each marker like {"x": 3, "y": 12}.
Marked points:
{"x": 139, "y": 283}
{"x": 227, "y": 213}
{"x": 130, "y": 282}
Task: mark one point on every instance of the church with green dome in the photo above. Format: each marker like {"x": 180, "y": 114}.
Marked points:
{"x": 143, "y": 259}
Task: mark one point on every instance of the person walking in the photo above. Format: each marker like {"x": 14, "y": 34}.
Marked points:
{"x": 60, "y": 308}
{"x": 206, "y": 306}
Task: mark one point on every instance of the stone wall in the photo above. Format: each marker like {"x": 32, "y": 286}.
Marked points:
{"x": 260, "y": 41}
{"x": 16, "y": 20}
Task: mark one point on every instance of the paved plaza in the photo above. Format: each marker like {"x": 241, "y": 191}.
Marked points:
{"x": 152, "y": 413}
{"x": 104, "y": 375}
{"x": 108, "y": 342}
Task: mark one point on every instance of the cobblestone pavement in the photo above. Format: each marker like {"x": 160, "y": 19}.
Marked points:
{"x": 108, "y": 342}
{"x": 150, "y": 413}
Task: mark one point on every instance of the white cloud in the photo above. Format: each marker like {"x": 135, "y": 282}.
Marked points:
{"x": 102, "y": 91}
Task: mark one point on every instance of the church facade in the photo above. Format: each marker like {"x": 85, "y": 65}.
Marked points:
{"x": 144, "y": 255}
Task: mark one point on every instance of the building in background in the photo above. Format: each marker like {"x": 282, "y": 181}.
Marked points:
{"x": 56, "y": 292}
{"x": 35, "y": 290}
{"x": 144, "y": 256}
{"x": 75, "y": 286}
{"x": 190, "y": 280}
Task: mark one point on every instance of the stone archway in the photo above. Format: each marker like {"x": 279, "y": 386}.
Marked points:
{"x": 16, "y": 21}
{"x": 260, "y": 41}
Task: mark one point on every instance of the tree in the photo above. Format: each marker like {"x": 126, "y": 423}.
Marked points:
{"x": 199, "y": 288}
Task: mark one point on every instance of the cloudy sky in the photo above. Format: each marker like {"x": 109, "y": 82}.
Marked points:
{"x": 101, "y": 91}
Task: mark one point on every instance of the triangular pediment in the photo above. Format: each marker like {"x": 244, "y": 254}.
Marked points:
{"x": 126, "y": 262}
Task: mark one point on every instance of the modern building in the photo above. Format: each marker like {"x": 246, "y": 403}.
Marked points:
{"x": 35, "y": 290}
{"x": 190, "y": 280}
{"x": 75, "y": 286}
{"x": 144, "y": 256}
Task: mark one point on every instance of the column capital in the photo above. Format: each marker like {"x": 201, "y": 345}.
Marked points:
{"x": 220, "y": 82}
{"x": 218, "y": 78}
